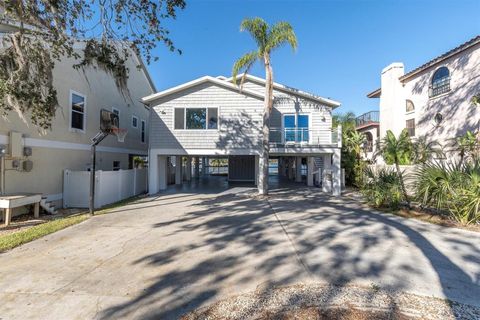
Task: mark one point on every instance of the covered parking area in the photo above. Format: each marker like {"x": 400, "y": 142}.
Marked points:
{"x": 320, "y": 170}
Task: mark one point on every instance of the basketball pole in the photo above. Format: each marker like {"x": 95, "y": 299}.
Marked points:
{"x": 95, "y": 141}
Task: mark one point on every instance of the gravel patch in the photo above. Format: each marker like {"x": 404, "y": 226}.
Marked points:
{"x": 314, "y": 301}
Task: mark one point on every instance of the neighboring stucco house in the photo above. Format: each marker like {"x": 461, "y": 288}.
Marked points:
{"x": 433, "y": 100}
{"x": 368, "y": 124}
{"x": 81, "y": 95}
{"x": 210, "y": 117}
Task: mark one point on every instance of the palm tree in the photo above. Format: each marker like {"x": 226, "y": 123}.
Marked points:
{"x": 354, "y": 142}
{"x": 267, "y": 38}
{"x": 424, "y": 150}
{"x": 397, "y": 151}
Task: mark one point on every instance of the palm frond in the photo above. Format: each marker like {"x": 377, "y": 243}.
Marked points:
{"x": 258, "y": 29}
{"x": 280, "y": 34}
{"x": 244, "y": 64}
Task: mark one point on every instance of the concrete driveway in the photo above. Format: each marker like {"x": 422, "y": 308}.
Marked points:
{"x": 166, "y": 255}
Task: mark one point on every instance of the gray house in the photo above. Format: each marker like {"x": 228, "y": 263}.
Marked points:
{"x": 211, "y": 118}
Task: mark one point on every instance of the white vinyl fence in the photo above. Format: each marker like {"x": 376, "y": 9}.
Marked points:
{"x": 110, "y": 186}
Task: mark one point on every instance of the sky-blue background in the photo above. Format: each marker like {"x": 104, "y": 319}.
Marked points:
{"x": 343, "y": 45}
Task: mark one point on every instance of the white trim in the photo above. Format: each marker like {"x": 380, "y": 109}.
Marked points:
{"x": 290, "y": 90}
{"x": 131, "y": 123}
{"x": 185, "y": 119}
{"x": 198, "y": 81}
{"x": 54, "y": 144}
{"x": 84, "y": 112}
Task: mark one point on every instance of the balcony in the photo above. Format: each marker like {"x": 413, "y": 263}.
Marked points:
{"x": 366, "y": 119}
{"x": 303, "y": 137}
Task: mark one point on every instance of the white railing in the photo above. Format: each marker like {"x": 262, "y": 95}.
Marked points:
{"x": 305, "y": 136}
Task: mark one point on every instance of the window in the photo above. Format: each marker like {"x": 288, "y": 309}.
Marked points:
{"x": 296, "y": 127}
{"x": 440, "y": 82}
{"x": 77, "y": 118}
{"x": 196, "y": 118}
{"x": 410, "y": 125}
{"x": 134, "y": 122}
{"x": 438, "y": 118}
{"x": 116, "y": 165}
{"x": 142, "y": 134}
{"x": 409, "y": 106}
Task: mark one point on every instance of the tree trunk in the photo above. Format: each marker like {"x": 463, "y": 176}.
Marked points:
{"x": 265, "y": 148}
{"x": 402, "y": 184}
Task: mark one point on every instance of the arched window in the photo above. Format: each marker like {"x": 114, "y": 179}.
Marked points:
{"x": 368, "y": 142}
{"x": 440, "y": 82}
{"x": 409, "y": 106}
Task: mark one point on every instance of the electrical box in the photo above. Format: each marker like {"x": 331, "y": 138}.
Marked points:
{"x": 27, "y": 151}
{"x": 15, "y": 145}
{"x": 27, "y": 165}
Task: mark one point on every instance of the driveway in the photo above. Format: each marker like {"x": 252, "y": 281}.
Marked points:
{"x": 166, "y": 255}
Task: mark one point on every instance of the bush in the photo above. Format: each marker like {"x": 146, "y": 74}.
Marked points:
{"x": 451, "y": 187}
{"x": 382, "y": 188}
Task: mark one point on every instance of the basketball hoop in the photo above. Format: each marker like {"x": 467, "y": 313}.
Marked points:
{"x": 120, "y": 133}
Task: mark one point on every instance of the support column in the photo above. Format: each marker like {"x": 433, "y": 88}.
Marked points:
{"x": 197, "y": 167}
{"x": 327, "y": 173}
{"x": 188, "y": 173}
{"x": 36, "y": 210}
{"x": 162, "y": 174}
{"x": 178, "y": 170}
{"x": 298, "y": 169}
{"x": 310, "y": 169}
{"x": 291, "y": 171}
{"x": 336, "y": 173}
{"x": 8, "y": 216}
{"x": 153, "y": 174}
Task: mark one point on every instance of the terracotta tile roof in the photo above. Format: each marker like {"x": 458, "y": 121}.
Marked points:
{"x": 442, "y": 57}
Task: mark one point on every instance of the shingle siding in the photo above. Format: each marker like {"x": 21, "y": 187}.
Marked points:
{"x": 240, "y": 118}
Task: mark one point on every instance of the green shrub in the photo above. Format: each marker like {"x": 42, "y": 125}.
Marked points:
{"x": 454, "y": 188}
{"x": 382, "y": 188}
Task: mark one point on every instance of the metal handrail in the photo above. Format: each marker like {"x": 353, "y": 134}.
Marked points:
{"x": 367, "y": 118}
{"x": 302, "y": 136}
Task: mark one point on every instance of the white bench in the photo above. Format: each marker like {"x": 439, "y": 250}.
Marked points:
{"x": 9, "y": 202}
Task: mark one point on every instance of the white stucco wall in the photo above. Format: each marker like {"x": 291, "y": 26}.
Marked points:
{"x": 458, "y": 113}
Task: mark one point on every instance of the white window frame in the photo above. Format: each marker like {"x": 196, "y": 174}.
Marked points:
{"x": 185, "y": 119}
{"x": 296, "y": 125}
{"x": 143, "y": 126}
{"x": 134, "y": 117}
{"x": 70, "y": 110}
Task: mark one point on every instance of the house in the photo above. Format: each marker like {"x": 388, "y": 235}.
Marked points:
{"x": 433, "y": 100}
{"x": 210, "y": 118}
{"x": 35, "y": 159}
{"x": 368, "y": 124}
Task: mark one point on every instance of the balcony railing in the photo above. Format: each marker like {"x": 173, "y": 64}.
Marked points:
{"x": 371, "y": 117}
{"x": 302, "y": 136}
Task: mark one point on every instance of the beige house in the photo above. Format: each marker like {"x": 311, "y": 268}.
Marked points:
{"x": 433, "y": 100}
{"x": 81, "y": 95}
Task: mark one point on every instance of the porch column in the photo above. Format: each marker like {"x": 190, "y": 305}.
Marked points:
{"x": 178, "y": 170}
{"x": 162, "y": 174}
{"x": 153, "y": 173}
{"x": 257, "y": 169}
{"x": 291, "y": 171}
{"x": 336, "y": 173}
{"x": 197, "y": 167}
{"x": 298, "y": 167}
{"x": 327, "y": 173}
{"x": 188, "y": 169}
{"x": 310, "y": 169}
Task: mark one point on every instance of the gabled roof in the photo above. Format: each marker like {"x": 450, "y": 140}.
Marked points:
{"x": 293, "y": 91}
{"x": 198, "y": 81}
{"x": 464, "y": 46}
{"x": 375, "y": 94}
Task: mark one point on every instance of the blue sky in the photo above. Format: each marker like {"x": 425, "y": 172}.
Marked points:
{"x": 343, "y": 45}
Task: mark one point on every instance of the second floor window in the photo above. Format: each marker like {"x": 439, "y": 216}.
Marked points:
{"x": 410, "y": 125}
{"x": 77, "y": 120}
{"x": 440, "y": 82}
{"x": 196, "y": 118}
{"x": 134, "y": 122}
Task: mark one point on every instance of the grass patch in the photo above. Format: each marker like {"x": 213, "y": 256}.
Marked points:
{"x": 15, "y": 239}
{"x": 12, "y": 240}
